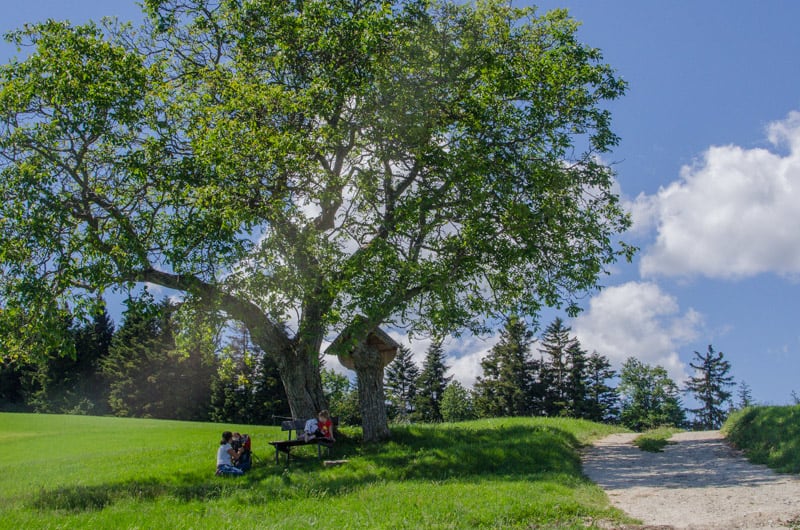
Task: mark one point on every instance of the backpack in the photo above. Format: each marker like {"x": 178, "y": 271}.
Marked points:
{"x": 245, "y": 460}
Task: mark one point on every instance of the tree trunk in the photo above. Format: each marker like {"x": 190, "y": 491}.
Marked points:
{"x": 298, "y": 360}
{"x": 369, "y": 369}
{"x": 300, "y": 374}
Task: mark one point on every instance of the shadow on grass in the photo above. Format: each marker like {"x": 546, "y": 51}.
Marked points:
{"x": 89, "y": 498}
{"x": 422, "y": 452}
{"x": 436, "y": 453}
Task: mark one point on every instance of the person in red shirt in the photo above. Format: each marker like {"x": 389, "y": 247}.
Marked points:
{"x": 321, "y": 426}
{"x": 325, "y": 425}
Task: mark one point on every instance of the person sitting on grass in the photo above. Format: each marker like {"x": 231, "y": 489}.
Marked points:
{"x": 322, "y": 427}
{"x": 226, "y": 456}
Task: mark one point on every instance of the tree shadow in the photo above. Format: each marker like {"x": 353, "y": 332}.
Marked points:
{"x": 435, "y": 453}
{"x": 693, "y": 463}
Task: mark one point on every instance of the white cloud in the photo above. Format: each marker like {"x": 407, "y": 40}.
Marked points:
{"x": 463, "y": 353}
{"x": 466, "y": 353}
{"x": 637, "y": 319}
{"x": 734, "y": 214}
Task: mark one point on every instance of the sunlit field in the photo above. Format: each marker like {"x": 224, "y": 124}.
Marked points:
{"x": 92, "y": 472}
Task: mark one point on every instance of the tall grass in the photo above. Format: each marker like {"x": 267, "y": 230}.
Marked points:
{"x": 80, "y": 472}
{"x": 655, "y": 440}
{"x": 767, "y": 435}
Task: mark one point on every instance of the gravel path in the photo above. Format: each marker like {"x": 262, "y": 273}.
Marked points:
{"x": 698, "y": 482}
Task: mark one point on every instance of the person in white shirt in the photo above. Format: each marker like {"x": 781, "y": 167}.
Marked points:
{"x": 226, "y": 456}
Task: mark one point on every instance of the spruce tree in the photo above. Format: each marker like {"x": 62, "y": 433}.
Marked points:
{"x": 431, "y": 385}
{"x": 507, "y": 384}
{"x": 576, "y": 383}
{"x": 745, "y": 395}
{"x": 555, "y": 341}
{"x": 148, "y": 374}
{"x": 73, "y": 384}
{"x": 709, "y": 386}
{"x": 400, "y": 382}
{"x": 246, "y": 387}
{"x": 12, "y": 385}
{"x": 601, "y": 398}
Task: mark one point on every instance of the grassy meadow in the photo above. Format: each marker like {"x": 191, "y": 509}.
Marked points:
{"x": 767, "y": 435}
{"x": 92, "y": 472}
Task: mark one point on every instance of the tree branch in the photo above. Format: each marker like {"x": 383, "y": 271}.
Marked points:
{"x": 259, "y": 325}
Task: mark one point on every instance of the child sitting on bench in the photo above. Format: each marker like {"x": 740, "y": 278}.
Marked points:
{"x": 321, "y": 427}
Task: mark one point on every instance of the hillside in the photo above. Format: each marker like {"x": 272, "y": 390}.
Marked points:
{"x": 767, "y": 435}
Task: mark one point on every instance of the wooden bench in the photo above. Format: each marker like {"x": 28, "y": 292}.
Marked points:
{"x": 297, "y": 427}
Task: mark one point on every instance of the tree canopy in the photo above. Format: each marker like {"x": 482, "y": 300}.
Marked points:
{"x": 310, "y": 169}
{"x": 649, "y": 397}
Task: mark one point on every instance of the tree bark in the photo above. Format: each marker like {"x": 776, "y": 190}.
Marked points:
{"x": 300, "y": 374}
{"x": 369, "y": 369}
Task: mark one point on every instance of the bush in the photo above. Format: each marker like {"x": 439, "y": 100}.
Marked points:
{"x": 655, "y": 440}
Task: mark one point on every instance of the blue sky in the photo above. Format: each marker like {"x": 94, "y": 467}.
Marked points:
{"x": 709, "y": 165}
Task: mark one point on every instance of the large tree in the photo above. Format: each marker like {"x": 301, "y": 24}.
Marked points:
{"x": 337, "y": 165}
{"x": 710, "y": 385}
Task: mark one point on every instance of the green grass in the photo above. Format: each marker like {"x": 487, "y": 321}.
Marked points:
{"x": 767, "y": 435}
{"x": 655, "y": 440}
{"x": 90, "y": 472}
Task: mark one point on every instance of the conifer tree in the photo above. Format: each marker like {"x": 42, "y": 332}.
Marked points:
{"x": 74, "y": 384}
{"x": 148, "y": 374}
{"x": 431, "y": 385}
{"x": 555, "y": 341}
{"x": 12, "y": 385}
{"x": 506, "y": 387}
{"x": 246, "y": 387}
{"x": 709, "y": 385}
{"x": 601, "y": 399}
{"x": 576, "y": 383}
{"x": 400, "y": 383}
{"x": 745, "y": 395}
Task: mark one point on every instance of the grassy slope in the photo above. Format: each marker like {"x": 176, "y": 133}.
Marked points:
{"x": 767, "y": 435}
{"x": 72, "y": 471}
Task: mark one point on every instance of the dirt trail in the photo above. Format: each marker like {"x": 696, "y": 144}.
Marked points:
{"x": 698, "y": 482}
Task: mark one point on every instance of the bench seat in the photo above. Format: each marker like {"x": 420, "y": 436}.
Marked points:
{"x": 297, "y": 427}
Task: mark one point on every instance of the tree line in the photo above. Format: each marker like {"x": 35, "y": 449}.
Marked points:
{"x": 150, "y": 366}
{"x": 556, "y": 376}
{"x": 159, "y": 364}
